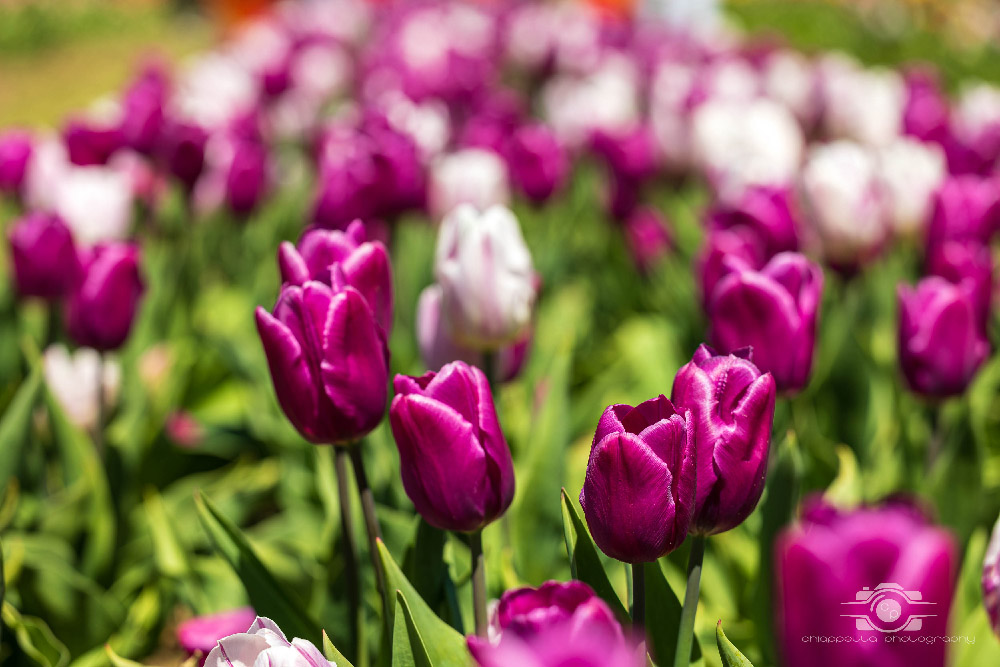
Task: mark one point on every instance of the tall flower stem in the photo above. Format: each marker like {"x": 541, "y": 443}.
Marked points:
{"x": 101, "y": 407}
{"x": 350, "y": 545}
{"x": 478, "y": 582}
{"x": 639, "y": 599}
{"x": 368, "y": 507}
{"x": 685, "y": 630}
{"x": 490, "y": 360}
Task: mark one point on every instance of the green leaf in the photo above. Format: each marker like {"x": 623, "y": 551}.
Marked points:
{"x": 171, "y": 557}
{"x": 663, "y": 615}
{"x": 267, "y": 596}
{"x": 445, "y": 646}
{"x": 408, "y": 648}
{"x": 35, "y": 638}
{"x": 117, "y": 660}
{"x": 584, "y": 561}
{"x": 731, "y": 657}
{"x": 331, "y": 652}
{"x": 845, "y": 490}
{"x": 16, "y": 425}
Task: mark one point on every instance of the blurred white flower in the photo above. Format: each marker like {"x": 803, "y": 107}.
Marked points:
{"x": 486, "y": 276}
{"x": 845, "y": 200}
{"x": 48, "y": 164}
{"x": 737, "y": 145}
{"x": 701, "y": 17}
{"x": 214, "y": 89}
{"x": 864, "y": 105}
{"x": 427, "y": 123}
{"x": 789, "y": 77}
{"x": 473, "y": 176}
{"x": 73, "y": 381}
{"x": 976, "y": 111}
{"x": 607, "y": 99}
{"x": 910, "y": 171}
{"x": 95, "y": 202}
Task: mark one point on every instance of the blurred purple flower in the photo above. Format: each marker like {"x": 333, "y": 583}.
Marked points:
{"x": 103, "y": 305}
{"x": 44, "y": 256}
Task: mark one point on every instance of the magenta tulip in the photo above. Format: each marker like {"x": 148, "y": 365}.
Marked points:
{"x": 45, "y": 259}
{"x": 991, "y": 579}
{"x": 968, "y": 262}
{"x": 202, "y": 633}
{"x": 103, "y": 304}
{"x": 765, "y": 213}
{"x": 536, "y": 161}
{"x": 16, "y": 148}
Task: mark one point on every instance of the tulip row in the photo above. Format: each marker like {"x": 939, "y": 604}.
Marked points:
{"x": 817, "y": 169}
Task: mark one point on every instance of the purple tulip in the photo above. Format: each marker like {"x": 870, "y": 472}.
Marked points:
{"x": 365, "y": 265}
{"x": 89, "y": 143}
{"x": 647, "y": 237}
{"x": 143, "y": 119}
{"x": 437, "y": 347}
{"x": 630, "y": 155}
{"x": 456, "y": 467}
{"x": 722, "y": 248}
{"x": 926, "y": 111}
{"x": 536, "y": 161}
{"x": 867, "y": 575}
{"x": 16, "y": 148}
{"x": 202, "y": 633}
{"x": 265, "y": 645}
{"x": 556, "y": 624}
{"x": 773, "y": 311}
{"x": 183, "y": 149}
{"x": 767, "y": 215}
{"x": 991, "y": 579}
{"x": 246, "y": 177}
{"x": 732, "y": 408}
{"x": 942, "y": 343}
{"x": 44, "y": 256}
{"x": 102, "y": 306}
{"x": 639, "y": 493}
{"x": 400, "y": 177}
{"x": 347, "y": 180}
{"x": 328, "y": 359}
{"x": 966, "y": 262}
{"x": 964, "y": 208}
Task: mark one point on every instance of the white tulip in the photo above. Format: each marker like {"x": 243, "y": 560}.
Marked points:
{"x": 73, "y": 381}
{"x": 606, "y": 99}
{"x": 95, "y": 202}
{"x": 265, "y": 645}
{"x": 864, "y": 105}
{"x": 475, "y": 176}
{"x": 910, "y": 171}
{"x": 486, "y": 276}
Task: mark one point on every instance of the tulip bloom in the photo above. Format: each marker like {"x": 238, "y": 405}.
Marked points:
{"x": 722, "y": 248}
{"x": 942, "y": 343}
{"x": 765, "y": 213}
{"x": 858, "y": 574}
{"x": 732, "y": 407}
{"x": 472, "y": 176}
{"x": 555, "y": 624}
{"x": 79, "y": 381}
{"x": 536, "y": 161}
{"x": 773, "y": 311}
{"x": 183, "y": 149}
{"x": 203, "y": 633}
{"x": 89, "y": 143}
{"x": 966, "y": 262}
{"x": 15, "y": 154}
{"x": 486, "y": 276}
{"x": 328, "y": 360}
{"x": 103, "y": 305}
{"x": 455, "y": 464}
{"x": 142, "y": 116}
{"x": 264, "y": 644}
{"x": 647, "y": 237}
{"x": 639, "y": 493}
{"x": 910, "y": 172}
{"x": 926, "y": 112}
{"x": 991, "y": 579}
{"x": 246, "y": 177}
{"x": 44, "y": 256}
{"x": 964, "y": 208}
{"x": 365, "y": 265}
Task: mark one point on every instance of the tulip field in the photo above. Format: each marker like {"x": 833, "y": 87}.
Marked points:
{"x": 524, "y": 333}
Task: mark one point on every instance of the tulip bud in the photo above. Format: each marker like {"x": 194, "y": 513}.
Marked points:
{"x": 536, "y": 161}
{"x": 991, "y": 579}
{"x": 486, "y": 276}
{"x": 103, "y": 305}
{"x": 647, "y": 237}
{"x": 471, "y": 176}
{"x": 856, "y": 575}
{"x": 774, "y": 312}
{"x": 732, "y": 408}
{"x": 264, "y": 644}
{"x": 15, "y": 154}
{"x": 203, "y": 633}
{"x": 455, "y": 464}
{"x": 845, "y": 201}
{"x": 365, "y": 265}
{"x": 44, "y": 256}
{"x": 966, "y": 262}
{"x": 639, "y": 493}
{"x": 89, "y": 143}
{"x": 555, "y": 624}
{"x": 964, "y": 208}
{"x": 328, "y": 359}
{"x": 437, "y": 347}
{"x": 766, "y": 215}
{"x": 942, "y": 343}
{"x": 723, "y": 248}
{"x": 79, "y": 380}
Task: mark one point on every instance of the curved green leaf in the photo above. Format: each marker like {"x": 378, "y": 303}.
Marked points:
{"x": 408, "y": 648}
{"x": 731, "y": 656}
{"x": 663, "y": 615}
{"x": 331, "y": 652}
{"x": 584, "y": 561}
{"x": 16, "y": 424}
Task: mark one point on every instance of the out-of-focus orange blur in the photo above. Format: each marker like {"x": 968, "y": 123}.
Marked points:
{"x": 233, "y": 12}
{"x": 616, "y": 8}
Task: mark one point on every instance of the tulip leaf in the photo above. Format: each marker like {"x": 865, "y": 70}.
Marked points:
{"x": 16, "y": 425}
{"x": 35, "y": 638}
{"x": 663, "y": 615}
{"x": 445, "y": 647}
{"x": 585, "y": 563}
{"x": 731, "y": 656}
{"x": 332, "y": 654}
{"x": 117, "y": 660}
{"x": 408, "y": 648}
{"x": 266, "y": 594}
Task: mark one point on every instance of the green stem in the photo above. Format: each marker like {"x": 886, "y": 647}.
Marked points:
{"x": 101, "y": 408}
{"x": 350, "y": 546}
{"x": 368, "y": 507}
{"x": 685, "y": 631}
{"x": 639, "y": 599}
{"x": 478, "y": 582}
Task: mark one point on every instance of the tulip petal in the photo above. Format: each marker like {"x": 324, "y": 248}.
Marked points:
{"x": 290, "y": 372}
{"x": 292, "y": 267}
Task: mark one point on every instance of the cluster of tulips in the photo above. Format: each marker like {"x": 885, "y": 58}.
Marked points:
{"x": 816, "y": 166}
